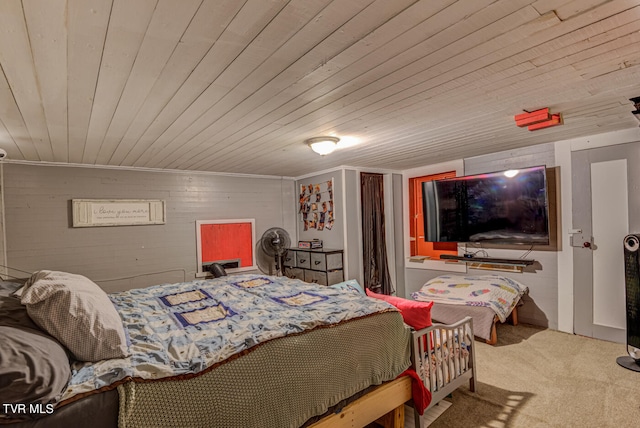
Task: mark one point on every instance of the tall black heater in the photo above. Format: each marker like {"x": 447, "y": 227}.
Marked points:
{"x": 632, "y": 287}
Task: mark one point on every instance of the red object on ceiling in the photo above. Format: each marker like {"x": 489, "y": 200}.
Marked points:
{"x": 538, "y": 119}
{"x": 526, "y": 119}
{"x": 556, "y": 119}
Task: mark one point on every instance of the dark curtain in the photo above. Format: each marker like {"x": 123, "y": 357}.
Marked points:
{"x": 374, "y": 248}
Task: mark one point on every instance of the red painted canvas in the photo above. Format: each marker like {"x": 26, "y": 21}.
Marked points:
{"x": 227, "y": 241}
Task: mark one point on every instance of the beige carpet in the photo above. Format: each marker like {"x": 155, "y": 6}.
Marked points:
{"x": 537, "y": 377}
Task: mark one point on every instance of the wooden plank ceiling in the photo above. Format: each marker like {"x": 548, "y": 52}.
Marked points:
{"x": 237, "y": 86}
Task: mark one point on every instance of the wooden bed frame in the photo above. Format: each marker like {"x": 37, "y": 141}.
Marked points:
{"x": 385, "y": 405}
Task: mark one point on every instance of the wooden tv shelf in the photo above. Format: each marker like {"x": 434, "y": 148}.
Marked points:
{"x": 489, "y": 260}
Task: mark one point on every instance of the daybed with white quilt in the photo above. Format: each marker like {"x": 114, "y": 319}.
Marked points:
{"x": 486, "y": 298}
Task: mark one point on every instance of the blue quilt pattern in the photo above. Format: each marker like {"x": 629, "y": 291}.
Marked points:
{"x": 176, "y": 329}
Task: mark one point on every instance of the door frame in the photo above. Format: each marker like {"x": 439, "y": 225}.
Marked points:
{"x": 599, "y": 282}
{"x": 563, "y": 150}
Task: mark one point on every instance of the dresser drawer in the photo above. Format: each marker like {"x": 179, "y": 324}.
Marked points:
{"x": 324, "y": 261}
{"x": 318, "y": 261}
{"x": 296, "y": 273}
{"x": 334, "y": 261}
{"x": 316, "y": 277}
{"x": 303, "y": 260}
{"x": 335, "y": 276}
{"x": 289, "y": 259}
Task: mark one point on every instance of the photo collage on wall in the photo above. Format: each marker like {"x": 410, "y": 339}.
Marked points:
{"x": 316, "y": 205}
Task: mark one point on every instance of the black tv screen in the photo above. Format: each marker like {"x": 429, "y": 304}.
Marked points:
{"x": 508, "y": 207}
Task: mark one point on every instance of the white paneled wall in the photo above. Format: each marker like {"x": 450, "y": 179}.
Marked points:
{"x": 38, "y": 219}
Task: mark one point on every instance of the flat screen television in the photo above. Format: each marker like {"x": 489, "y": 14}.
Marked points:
{"x": 507, "y": 207}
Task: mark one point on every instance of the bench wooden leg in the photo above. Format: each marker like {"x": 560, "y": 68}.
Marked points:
{"x": 494, "y": 334}
{"x": 514, "y": 316}
{"x": 493, "y": 339}
{"x": 393, "y": 419}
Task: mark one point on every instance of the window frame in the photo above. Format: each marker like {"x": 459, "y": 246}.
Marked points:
{"x": 416, "y": 219}
{"x": 458, "y": 167}
{"x": 200, "y": 272}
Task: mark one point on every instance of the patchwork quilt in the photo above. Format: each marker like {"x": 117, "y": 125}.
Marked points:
{"x": 492, "y": 291}
{"x": 185, "y": 328}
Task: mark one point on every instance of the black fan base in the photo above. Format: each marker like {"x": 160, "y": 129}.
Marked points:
{"x": 628, "y": 363}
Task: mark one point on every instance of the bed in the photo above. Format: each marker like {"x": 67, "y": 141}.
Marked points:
{"x": 174, "y": 363}
{"x": 488, "y": 299}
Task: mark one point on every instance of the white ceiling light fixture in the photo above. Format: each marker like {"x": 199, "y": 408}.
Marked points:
{"x": 323, "y": 145}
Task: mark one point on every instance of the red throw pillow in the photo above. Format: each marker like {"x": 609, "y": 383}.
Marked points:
{"x": 416, "y": 314}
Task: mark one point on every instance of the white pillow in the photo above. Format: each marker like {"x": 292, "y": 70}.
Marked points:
{"x": 77, "y": 312}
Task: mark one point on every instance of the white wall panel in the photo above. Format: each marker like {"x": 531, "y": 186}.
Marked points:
{"x": 40, "y": 236}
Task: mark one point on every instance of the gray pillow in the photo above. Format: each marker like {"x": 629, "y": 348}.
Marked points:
{"x": 77, "y": 312}
{"x": 34, "y": 367}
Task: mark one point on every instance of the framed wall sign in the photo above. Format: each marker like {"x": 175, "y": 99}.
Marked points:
{"x": 117, "y": 212}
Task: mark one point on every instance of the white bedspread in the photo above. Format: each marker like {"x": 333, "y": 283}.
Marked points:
{"x": 493, "y": 291}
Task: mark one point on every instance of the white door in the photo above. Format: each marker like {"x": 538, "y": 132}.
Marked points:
{"x": 605, "y": 209}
